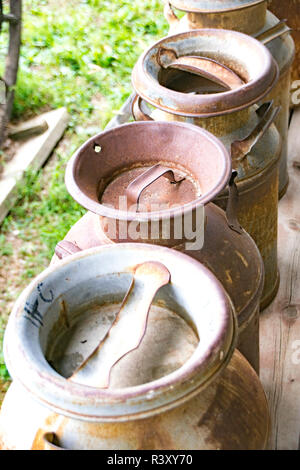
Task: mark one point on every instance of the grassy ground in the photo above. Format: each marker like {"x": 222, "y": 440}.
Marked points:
{"x": 77, "y": 54}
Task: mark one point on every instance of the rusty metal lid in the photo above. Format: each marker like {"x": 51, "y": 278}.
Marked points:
{"x": 103, "y": 274}
{"x": 165, "y": 74}
{"x": 110, "y": 165}
{"x": 212, "y": 6}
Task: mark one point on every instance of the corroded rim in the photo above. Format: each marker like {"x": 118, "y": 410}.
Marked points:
{"x": 27, "y": 364}
{"x": 213, "y": 6}
{"x": 77, "y": 191}
{"x": 262, "y": 80}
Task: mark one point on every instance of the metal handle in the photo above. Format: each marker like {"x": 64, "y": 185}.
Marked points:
{"x": 49, "y": 440}
{"x": 274, "y": 32}
{"x": 148, "y": 278}
{"x": 137, "y": 186}
{"x": 232, "y": 205}
{"x": 241, "y": 148}
{"x": 137, "y": 112}
{"x": 46, "y": 441}
{"x": 204, "y": 67}
{"x": 128, "y": 328}
{"x": 169, "y": 14}
{"x": 65, "y": 248}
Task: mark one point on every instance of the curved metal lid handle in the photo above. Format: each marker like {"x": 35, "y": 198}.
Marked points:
{"x": 274, "y": 32}
{"x": 241, "y": 148}
{"x": 137, "y": 186}
{"x": 169, "y": 14}
{"x": 128, "y": 328}
{"x": 121, "y": 338}
{"x": 204, "y": 67}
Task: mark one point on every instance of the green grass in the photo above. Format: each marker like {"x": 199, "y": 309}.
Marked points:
{"x": 82, "y": 48}
{"x": 77, "y": 54}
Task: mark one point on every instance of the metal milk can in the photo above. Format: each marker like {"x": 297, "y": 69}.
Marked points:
{"x": 249, "y": 17}
{"x": 135, "y": 160}
{"x": 290, "y": 9}
{"x": 184, "y": 77}
{"x": 128, "y": 347}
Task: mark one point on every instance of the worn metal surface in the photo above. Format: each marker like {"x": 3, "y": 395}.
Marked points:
{"x": 92, "y": 177}
{"x": 241, "y": 148}
{"x": 236, "y": 397}
{"x": 283, "y": 51}
{"x": 280, "y": 96}
{"x": 208, "y": 6}
{"x": 122, "y": 338}
{"x": 104, "y": 275}
{"x": 232, "y": 257}
{"x": 205, "y": 383}
{"x": 229, "y": 253}
{"x": 247, "y": 20}
{"x": 140, "y": 183}
{"x": 290, "y": 9}
{"x": 257, "y": 213}
{"x": 249, "y": 134}
{"x": 259, "y": 23}
{"x": 202, "y": 66}
{"x": 274, "y": 32}
{"x": 176, "y": 411}
{"x": 242, "y": 54}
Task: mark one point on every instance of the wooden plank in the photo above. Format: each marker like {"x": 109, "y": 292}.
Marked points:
{"x": 280, "y": 323}
{"x": 27, "y": 129}
{"x": 31, "y": 155}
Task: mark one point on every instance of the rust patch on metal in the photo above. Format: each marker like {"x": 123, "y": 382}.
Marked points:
{"x": 290, "y": 9}
{"x": 147, "y": 279}
{"x": 238, "y": 392}
{"x": 64, "y": 314}
{"x": 247, "y": 20}
{"x": 151, "y": 86}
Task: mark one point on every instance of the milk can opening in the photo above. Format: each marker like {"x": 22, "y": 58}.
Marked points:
{"x": 75, "y": 322}
{"x": 201, "y": 72}
{"x": 239, "y": 63}
{"x": 197, "y": 165}
{"x": 187, "y": 82}
{"x": 170, "y": 338}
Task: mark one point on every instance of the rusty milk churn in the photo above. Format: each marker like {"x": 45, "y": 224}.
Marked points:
{"x": 128, "y": 347}
{"x": 290, "y": 9}
{"x": 249, "y": 17}
{"x": 184, "y": 77}
{"x": 130, "y": 157}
